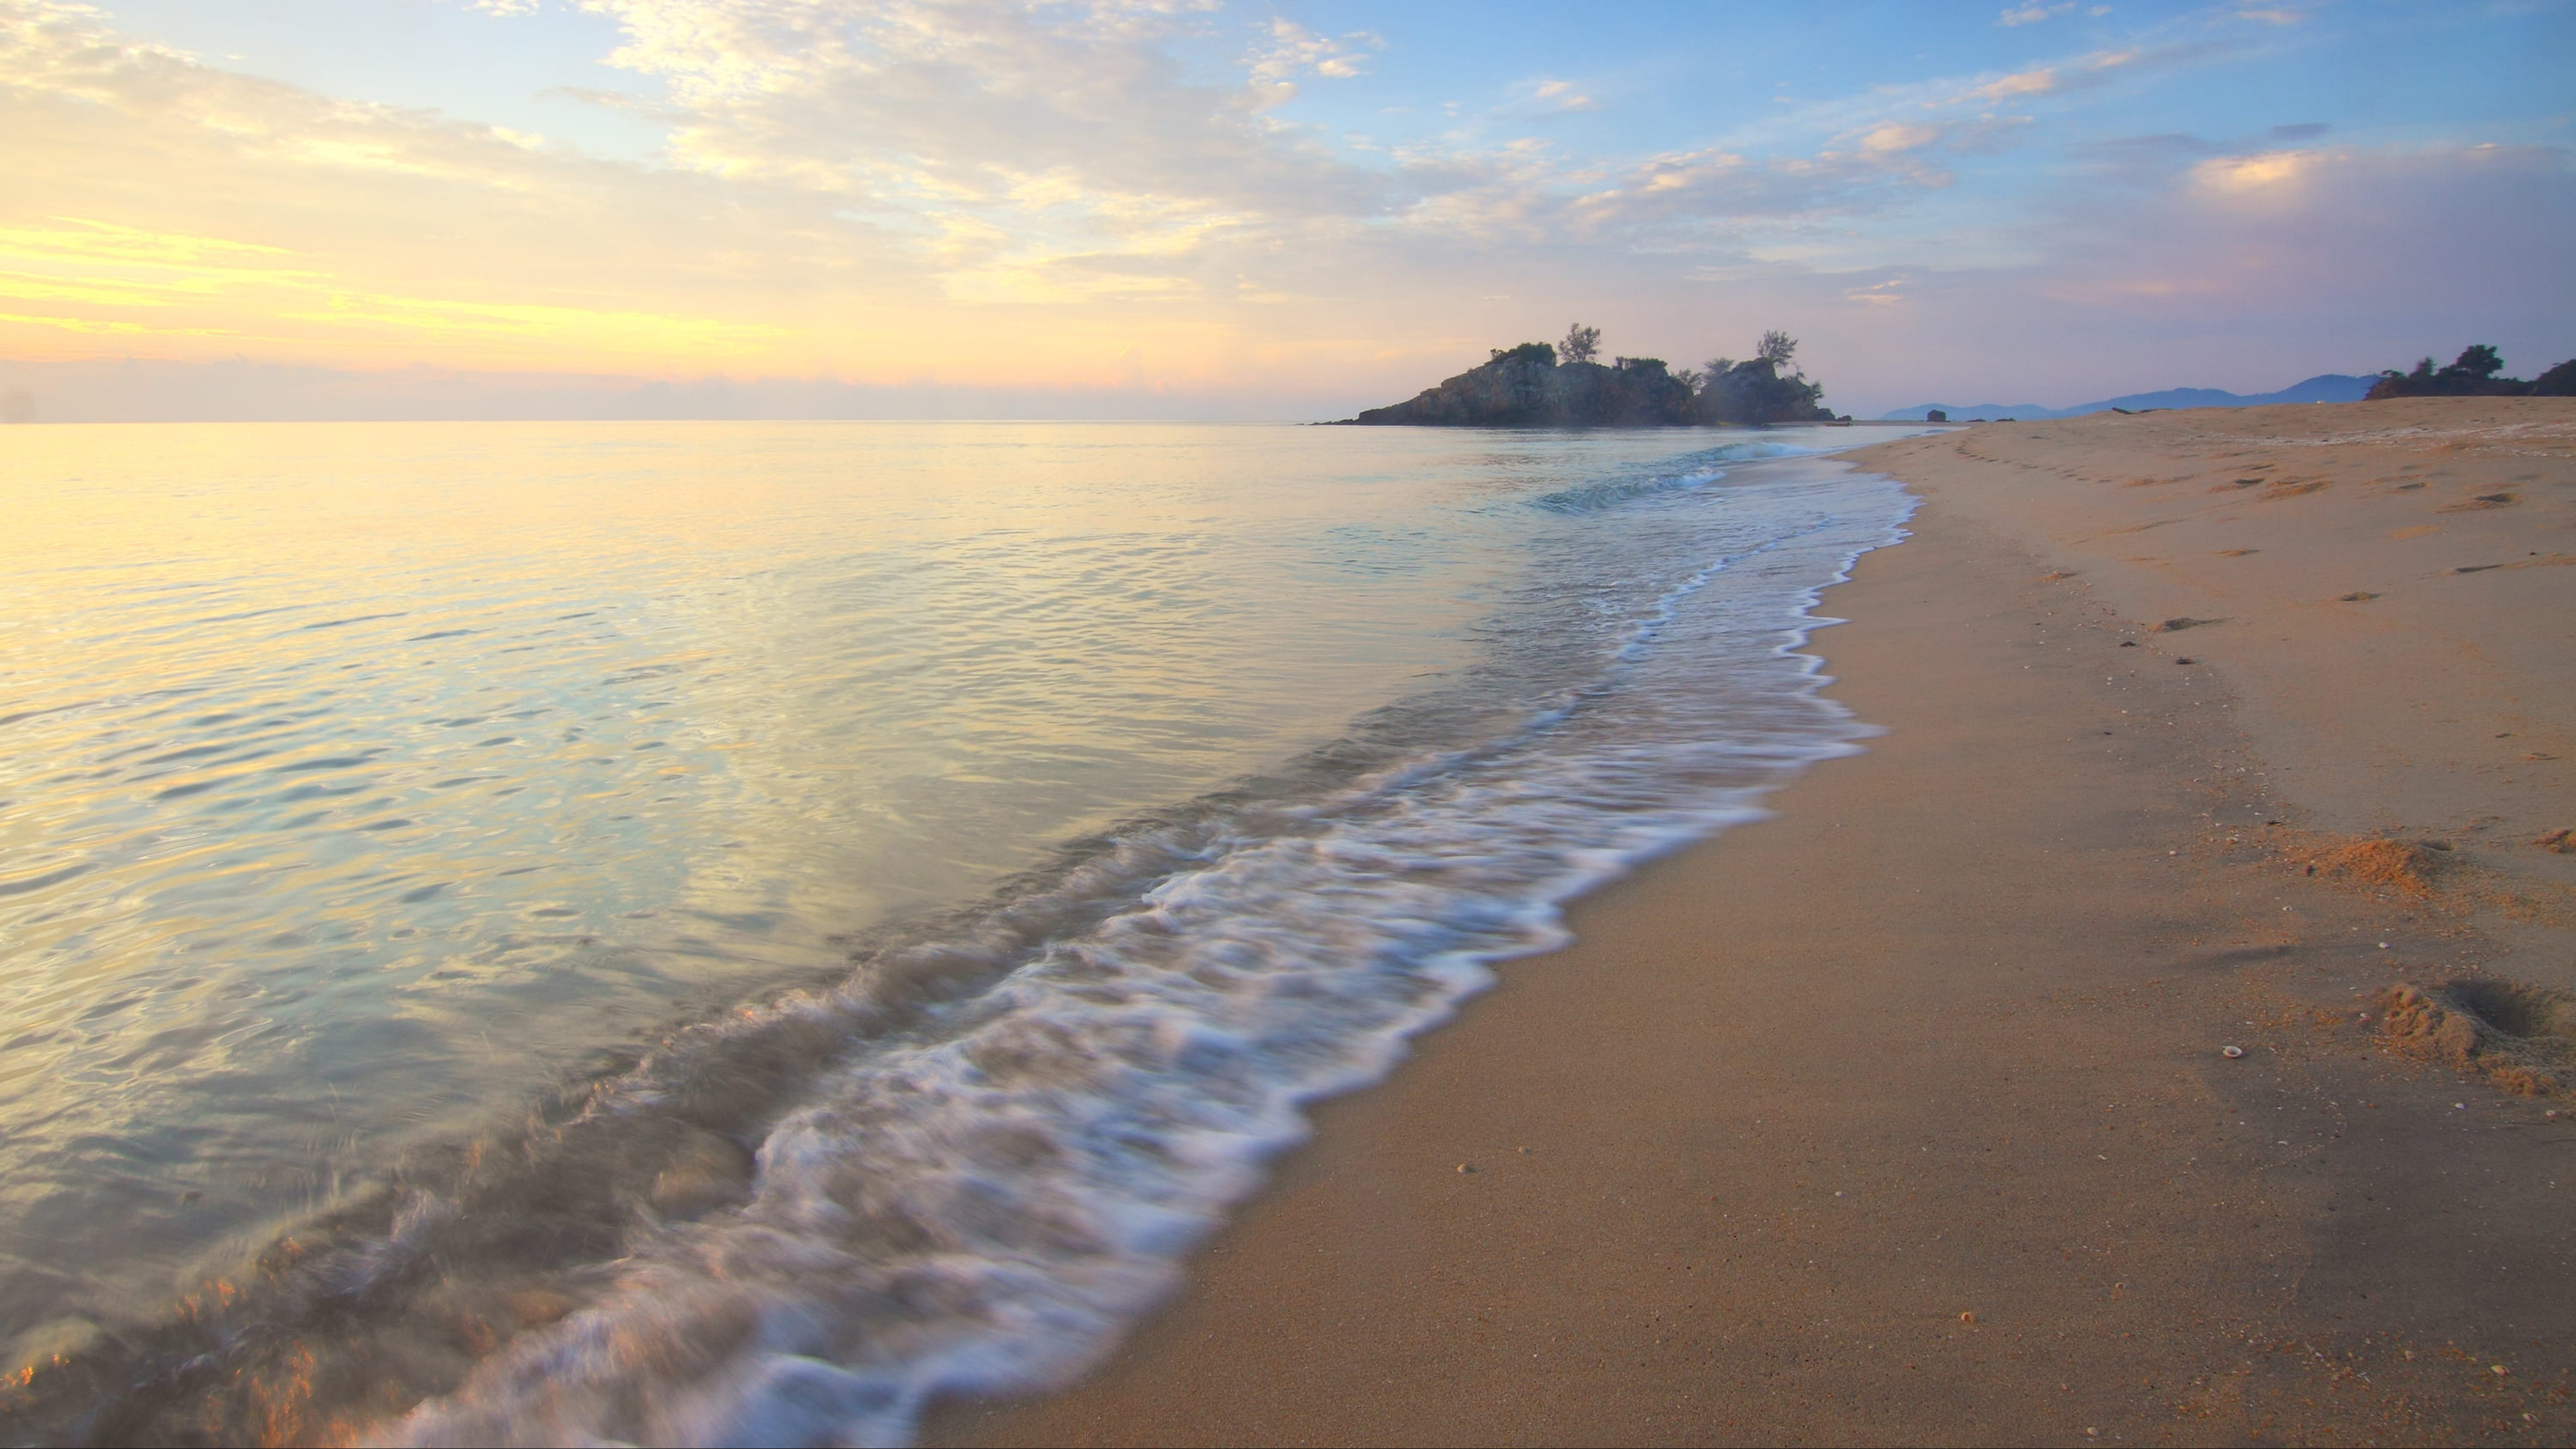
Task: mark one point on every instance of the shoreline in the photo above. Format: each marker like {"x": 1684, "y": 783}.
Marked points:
{"x": 1902, "y": 1115}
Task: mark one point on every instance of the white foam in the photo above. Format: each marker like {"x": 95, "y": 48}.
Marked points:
{"x": 984, "y": 1201}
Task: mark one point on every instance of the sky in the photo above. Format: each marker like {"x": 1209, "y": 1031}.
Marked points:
{"x": 1204, "y": 209}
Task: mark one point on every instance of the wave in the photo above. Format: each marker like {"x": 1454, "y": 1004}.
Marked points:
{"x": 968, "y": 1165}
{"x": 1697, "y": 471}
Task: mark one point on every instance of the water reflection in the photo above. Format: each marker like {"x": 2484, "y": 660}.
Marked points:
{"x": 358, "y": 781}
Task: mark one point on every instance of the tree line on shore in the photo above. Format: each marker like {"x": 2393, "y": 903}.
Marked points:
{"x": 2473, "y": 374}
{"x": 1564, "y": 384}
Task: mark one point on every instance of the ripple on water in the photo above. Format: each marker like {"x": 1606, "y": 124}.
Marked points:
{"x": 471, "y": 893}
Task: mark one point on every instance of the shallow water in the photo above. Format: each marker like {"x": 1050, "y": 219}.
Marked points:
{"x": 720, "y": 932}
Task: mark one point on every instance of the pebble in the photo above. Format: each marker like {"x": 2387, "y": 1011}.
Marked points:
{"x": 1463, "y": 1167}
{"x": 2231, "y": 1053}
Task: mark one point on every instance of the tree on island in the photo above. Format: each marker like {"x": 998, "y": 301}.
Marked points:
{"x": 2473, "y": 374}
{"x": 1562, "y": 385}
{"x": 1758, "y": 391}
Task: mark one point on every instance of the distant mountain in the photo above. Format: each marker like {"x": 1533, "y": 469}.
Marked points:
{"x": 2324, "y": 387}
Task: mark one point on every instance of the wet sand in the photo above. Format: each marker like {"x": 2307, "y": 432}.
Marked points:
{"x": 1904, "y": 1115}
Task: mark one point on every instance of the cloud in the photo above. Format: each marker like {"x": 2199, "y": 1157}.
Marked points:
{"x": 2253, "y": 269}
{"x": 967, "y": 100}
{"x": 2262, "y": 171}
{"x": 192, "y": 208}
{"x": 1892, "y": 136}
{"x": 2032, "y": 14}
{"x": 1288, "y": 50}
{"x": 1562, "y": 95}
{"x": 1052, "y": 198}
{"x": 2035, "y": 82}
{"x": 868, "y": 189}
{"x": 2087, "y": 72}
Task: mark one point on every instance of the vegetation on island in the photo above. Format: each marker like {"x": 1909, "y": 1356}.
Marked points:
{"x": 1563, "y": 385}
{"x": 2473, "y": 374}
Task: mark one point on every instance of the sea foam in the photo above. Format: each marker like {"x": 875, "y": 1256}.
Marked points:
{"x": 982, "y": 1191}
{"x": 969, "y": 1159}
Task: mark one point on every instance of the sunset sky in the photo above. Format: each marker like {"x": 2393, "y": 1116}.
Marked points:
{"x": 1188, "y": 208}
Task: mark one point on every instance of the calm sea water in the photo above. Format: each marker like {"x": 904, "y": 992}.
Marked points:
{"x": 722, "y": 932}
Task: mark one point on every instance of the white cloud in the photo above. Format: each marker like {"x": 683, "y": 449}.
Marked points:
{"x": 2264, "y": 171}
{"x": 1289, "y": 50}
{"x": 2032, "y": 14}
{"x": 1892, "y": 136}
{"x": 1562, "y": 96}
{"x": 1011, "y": 189}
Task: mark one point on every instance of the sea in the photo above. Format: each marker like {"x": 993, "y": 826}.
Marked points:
{"x": 725, "y": 933}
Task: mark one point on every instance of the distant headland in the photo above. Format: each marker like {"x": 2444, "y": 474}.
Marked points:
{"x": 2472, "y": 374}
{"x": 1536, "y": 385}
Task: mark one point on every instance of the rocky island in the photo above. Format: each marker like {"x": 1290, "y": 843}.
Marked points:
{"x": 1536, "y": 385}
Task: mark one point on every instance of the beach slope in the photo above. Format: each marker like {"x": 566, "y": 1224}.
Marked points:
{"x": 1907, "y": 1114}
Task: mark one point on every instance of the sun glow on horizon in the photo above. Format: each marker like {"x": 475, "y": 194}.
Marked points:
{"x": 1145, "y": 197}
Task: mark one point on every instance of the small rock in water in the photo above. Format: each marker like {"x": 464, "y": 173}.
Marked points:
{"x": 2232, "y": 1052}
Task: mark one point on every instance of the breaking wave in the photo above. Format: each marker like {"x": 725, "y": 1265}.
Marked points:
{"x": 969, "y": 1164}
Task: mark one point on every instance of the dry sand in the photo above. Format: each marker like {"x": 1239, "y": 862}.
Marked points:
{"x": 1904, "y": 1116}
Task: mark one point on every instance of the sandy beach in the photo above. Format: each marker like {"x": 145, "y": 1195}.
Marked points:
{"x": 1907, "y": 1115}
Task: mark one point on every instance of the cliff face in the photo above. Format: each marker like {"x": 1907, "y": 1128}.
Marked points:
{"x": 1521, "y": 390}
{"x": 1527, "y": 388}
